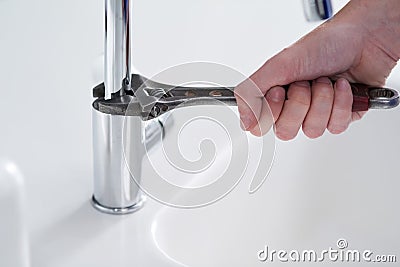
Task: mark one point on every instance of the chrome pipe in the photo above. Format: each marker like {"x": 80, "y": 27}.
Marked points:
{"x": 117, "y": 62}
{"x": 117, "y": 162}
{"x": 119, "y": 141}
{"x": 119, "y": 146}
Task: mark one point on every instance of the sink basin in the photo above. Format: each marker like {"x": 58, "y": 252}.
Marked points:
{"x": 86, "y": 237}
{"x": 318, "y": 192}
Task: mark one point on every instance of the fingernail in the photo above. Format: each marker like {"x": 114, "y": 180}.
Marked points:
{"x": 302, "y": 83}
{"x": 245, "y": 122}
{"x": 324, "y": 80}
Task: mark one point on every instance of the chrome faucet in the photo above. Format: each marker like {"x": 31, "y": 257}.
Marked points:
{"x": 127, "y": 109}
{"x": 123, "y": 107}
{"x": 114, "y": 190}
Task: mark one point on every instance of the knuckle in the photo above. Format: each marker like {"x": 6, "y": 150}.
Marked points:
{"x": 324, "y": 93}
{"x": 301, "y": 97}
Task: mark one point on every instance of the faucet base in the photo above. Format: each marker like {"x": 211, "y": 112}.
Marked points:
{"x": 118, "y": 211}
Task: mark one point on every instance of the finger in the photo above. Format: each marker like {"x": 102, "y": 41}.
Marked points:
{"x": 321, "y": 107}
{"x": 342, "y": 106}
{"x": 249, "y": 101}
{"x": 294, "y": 110}
{"x": 271, "y": 109}
{"x": 265, "y": 122}
{"x": 275, "y": 99}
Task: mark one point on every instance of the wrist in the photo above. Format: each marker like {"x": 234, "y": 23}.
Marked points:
{"x": 379, "y": 22}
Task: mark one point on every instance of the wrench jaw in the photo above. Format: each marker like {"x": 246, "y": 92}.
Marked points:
{"x": 149, "y": 100}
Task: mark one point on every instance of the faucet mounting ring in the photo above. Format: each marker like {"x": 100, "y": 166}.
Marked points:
{"x": 118, "y": 211}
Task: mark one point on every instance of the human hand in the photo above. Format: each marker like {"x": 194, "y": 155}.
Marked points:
{"x": 360, "y": 44}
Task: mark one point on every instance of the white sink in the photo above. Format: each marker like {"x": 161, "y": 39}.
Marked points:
{"x": 316, "y": 193}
